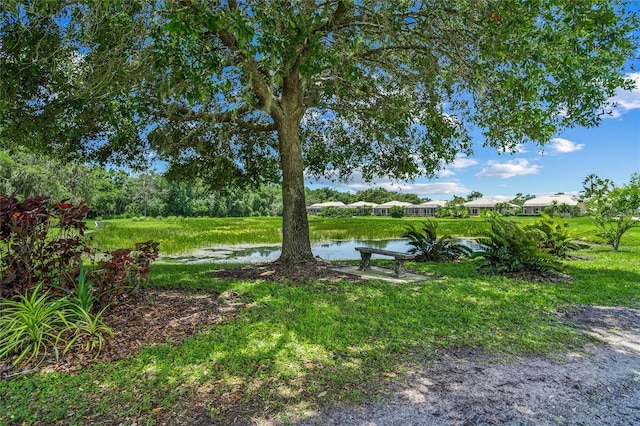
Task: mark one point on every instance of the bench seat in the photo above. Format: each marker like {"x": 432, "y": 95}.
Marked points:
{"x": 399, "y": 269}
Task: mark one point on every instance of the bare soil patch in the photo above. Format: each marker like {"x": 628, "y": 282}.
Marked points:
{"x": 600, "y": 385}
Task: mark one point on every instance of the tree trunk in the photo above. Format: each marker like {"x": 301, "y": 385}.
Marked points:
{"x": 296, "y": 245}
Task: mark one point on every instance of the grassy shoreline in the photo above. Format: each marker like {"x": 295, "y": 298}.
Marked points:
{"x": 180, "y": 235}
{"x": 298, "y": 346}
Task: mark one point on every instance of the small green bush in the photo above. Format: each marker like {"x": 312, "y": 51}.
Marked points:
{"x": 428, "y": 247}
{"x": 31, "y": 325}
{"x": 508, "y": 247}
{"x": 396, "y": 211}
{"x": 457, "y": 211}
{"x": 335, "y": 212}
{"x": 556, "y": 237}
{"x": 35, "y": 323}
{"x": 84, "y": 328}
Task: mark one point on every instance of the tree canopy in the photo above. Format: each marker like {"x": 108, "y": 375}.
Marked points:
{"x": 248, "y": 92}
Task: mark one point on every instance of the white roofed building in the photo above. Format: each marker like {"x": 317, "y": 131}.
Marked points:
{"x": 383, "y": 209}
{"x": 538, "y": 204}
{"x": 314, "y": 209}
{"x": 360, "y": 204}
{"x": 361, "y": 208}
{"x": 428, "y": 208}
{"x": 476, "y": 206}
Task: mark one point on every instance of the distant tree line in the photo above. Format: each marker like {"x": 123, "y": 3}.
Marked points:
{"x": 372, "y": 195}
{"x": 112, "y": 192}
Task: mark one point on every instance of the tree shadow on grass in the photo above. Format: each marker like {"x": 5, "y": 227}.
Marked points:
{"x": 299, "y": 347}
{"x": 294, "y": 348}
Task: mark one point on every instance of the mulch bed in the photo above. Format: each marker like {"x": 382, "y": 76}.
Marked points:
{"x": 152, "y": 316}
{"x": 301, "y": 273}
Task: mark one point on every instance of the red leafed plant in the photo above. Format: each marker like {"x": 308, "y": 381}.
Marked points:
{"x": 123, "y": 270}
{"x": 31, "y": 251}
{"x": 45, "y": 246}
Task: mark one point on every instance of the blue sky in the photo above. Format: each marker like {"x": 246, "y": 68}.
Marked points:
{"x": 611, "y": 150}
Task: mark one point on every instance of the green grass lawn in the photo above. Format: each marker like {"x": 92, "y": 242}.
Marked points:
{"x": 297, "y": 346}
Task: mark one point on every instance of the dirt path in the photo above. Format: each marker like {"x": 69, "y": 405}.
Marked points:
{"x": 600, "y": 386}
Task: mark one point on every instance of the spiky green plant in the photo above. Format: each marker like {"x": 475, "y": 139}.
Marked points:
{"x": 556, "y": 236}
{"x": 428, "y": 246}
{"x": 30, "y": 325}
{"x": 35, "y": 323}
{"x": 82, "y": 326}
{"x": 508, "y": 247}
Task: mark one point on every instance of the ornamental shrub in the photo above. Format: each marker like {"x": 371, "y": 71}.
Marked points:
{"x": 508, "y": 247}
{"x": 42, "y": 246}
{"x": 396, "y": 211}
{"x": 39, "y": 245}
{"x": 428, "y": 246}
{"x": 45, "y": 299}
{"x": 38, "y": 322}
{"x": 556, "y": 237}
{"x": 122, "y": 271}
{"x": 30, "y": 325}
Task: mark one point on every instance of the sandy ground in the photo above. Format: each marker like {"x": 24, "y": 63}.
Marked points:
{"x": 598, "y": 386}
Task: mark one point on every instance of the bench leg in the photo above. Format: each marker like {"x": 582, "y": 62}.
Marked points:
{"x": 399, "y": 269}
{"x": 365, "y": 261}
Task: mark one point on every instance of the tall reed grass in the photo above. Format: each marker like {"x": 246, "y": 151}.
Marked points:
{"x": 181, "y": 235}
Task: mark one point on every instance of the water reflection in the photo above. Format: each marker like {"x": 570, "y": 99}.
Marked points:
{"x": 329, "y": 250}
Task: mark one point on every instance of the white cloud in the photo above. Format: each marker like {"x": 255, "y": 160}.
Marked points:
{"x": 518, "y": 149}
{"x": 435, "y": 188}
{"x": 564, "y": 145}
{"x": 462, "y": 162}
{"x": 357, "y": 183}
{"x": 626, "y": 100}
{"x": 509, "y": 169}
{"x": 420, "y": 189}
{"x": 629, "y": 99}
{"x": 445, "y": 173}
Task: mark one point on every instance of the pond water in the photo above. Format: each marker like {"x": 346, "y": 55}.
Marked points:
{"x": 328, "y": 250}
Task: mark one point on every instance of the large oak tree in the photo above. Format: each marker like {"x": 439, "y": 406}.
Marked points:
{"x": 243, "y": 92}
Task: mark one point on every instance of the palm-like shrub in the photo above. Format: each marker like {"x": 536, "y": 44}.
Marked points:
{"x": 428, "y": 247}
{"x": 508, "y": 247}
{"x": 556, "y": 236}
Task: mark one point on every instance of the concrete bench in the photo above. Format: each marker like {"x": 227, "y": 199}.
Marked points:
{"x": 399, "y": 269}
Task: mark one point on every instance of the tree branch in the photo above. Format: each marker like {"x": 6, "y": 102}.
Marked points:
{"x": 182, "y": 115}
{"x": 335, "y": 18}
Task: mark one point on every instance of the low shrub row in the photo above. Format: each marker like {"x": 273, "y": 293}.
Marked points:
{"x": 506, "y": 247}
